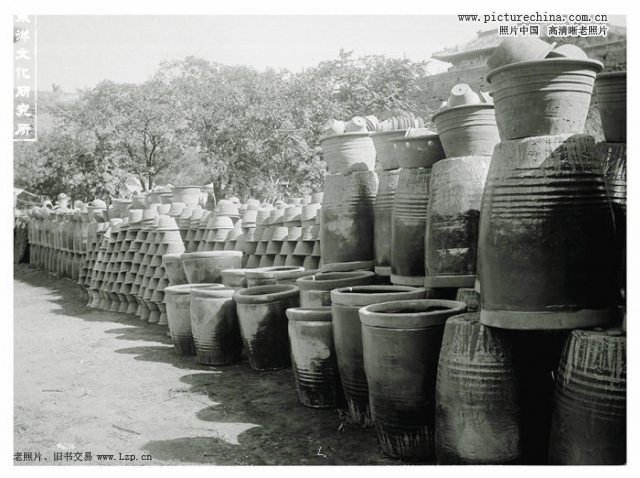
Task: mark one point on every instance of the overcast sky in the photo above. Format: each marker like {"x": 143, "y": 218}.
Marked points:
{"x": 80, "y": 51}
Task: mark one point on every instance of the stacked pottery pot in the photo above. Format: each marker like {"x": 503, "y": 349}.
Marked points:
{"x": 468, "y": 131}
{"x": 98, "y": 273}
{"x": 185, "y": 224}
{"x": 95, "y": 230}
{"x": 253, "y": 245}
{"x": 292, "y": 220}
{"x": 168, "y": 241}
{"x": 545, "y": 192}
{"x": 112, "y": 262}
{"x": 539, "y": 277}
{"x": 416, "y": 155}
{"x": 347, "y": 217}
{"x": 200, "y": 229}
{"x": 307, "y": 238}
{"x": 611, "y": 94}
{"x": 140, "y": 260}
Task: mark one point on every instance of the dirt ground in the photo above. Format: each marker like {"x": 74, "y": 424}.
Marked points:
{"x": 86, "y": 380}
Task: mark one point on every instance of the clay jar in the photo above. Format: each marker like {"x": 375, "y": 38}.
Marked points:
{"x": 477, "y": 406}
{"x": 383, "y": 142}
{"x": 172, "y": 264}
{"x": 214, "y": 325}
{"x": 347, "y": 337}
{"x": 263, "y": 324}
{"x": 313, "y": 357}
{"x": 453, "y": 217}
{"x": 611, "y": 92}
{"x": 467, "y": 130}
{"x": 206, "y": 266}
{"x": 346, "y": 230}
{"x": 589, "y": 421}
{"x": 178, "y": 303}
{"x": 315, "y": 290}
{"x": 543, "y": 196}
{"x": 349, "y": 152}
{"x": 547, "y": 97}
{"x": 401, "y": 345}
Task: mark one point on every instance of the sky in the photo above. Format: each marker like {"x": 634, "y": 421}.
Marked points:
{"x": 80, "y": 51}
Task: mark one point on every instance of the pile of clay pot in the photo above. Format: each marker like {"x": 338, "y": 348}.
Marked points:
{"x": 472, "y": 288}
{"x": 58, "y": 237}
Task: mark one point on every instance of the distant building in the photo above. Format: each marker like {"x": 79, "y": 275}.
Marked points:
{"x": 468, "y": 61}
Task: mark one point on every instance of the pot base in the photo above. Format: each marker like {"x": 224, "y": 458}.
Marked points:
{"x": 416, "y": 281}
{"x": 458, "y": 281}
{"x": 534, "y": 320}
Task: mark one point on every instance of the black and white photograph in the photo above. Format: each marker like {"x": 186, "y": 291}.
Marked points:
{"x": 362, "y": 234}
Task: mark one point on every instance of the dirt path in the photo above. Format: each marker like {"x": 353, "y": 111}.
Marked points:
{"x": 105, "y": 383}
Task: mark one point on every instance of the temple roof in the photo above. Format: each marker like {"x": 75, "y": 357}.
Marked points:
{"x": 486, "y": 41}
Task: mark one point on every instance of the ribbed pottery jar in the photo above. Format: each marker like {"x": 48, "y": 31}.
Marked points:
{"x": 315, "y": 290}
{"x": 263, "y": 324}
{"x": 214, "y": 326}
{"x": 589, "y": 422}
{"x": 178, "y": 304}
{"x": 546, "y": 97}
{"x": 544, "y": 197}
{"x": 347, "y": 337}
{"x": 349, "y": 152}
{"x": 383, "y": 142}
{"x": 611, "y": 93}
{"x": 453, "y": 219}
{"x": 207, "y": 266}
{"x": 409, "y": 225}
{"x": 347, "y": 218}
{"x": 477, "y": 401}
{"x": 313, "y": 357}
{"x": 401, "y": 344}
{"x": 382, "y": 223}
{"x": 189, "y": 195}
{"x": 467, "y": 130}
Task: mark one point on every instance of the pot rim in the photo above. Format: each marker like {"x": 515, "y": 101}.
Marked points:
{"x": 477, "y": 106}
{"x": 262, "y": 294}
{"x": 213, "y": 292}
{"x": 273, "y": 271}
{"x": 354, "y": 134}
{"x": 356, "y": 295}
{"x": 311, "y": 283}
{"x": 348, "y": 266}
{"x": 547, "y": 61}
{"x": 209, "y": 254}
{"x": 391, "y": 132}
{"x": 374, "y": 315}
{"x": 185, "y": 289}
{"x": 309, "y": 314}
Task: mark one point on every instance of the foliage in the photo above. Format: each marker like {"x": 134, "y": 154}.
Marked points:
{"x": 250, "y": 133}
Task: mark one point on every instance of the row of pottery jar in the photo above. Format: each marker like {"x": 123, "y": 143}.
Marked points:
{"x": 547, "y": 256}
{"x": 215, "y": 323}
{"x": 58, "y": 239}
